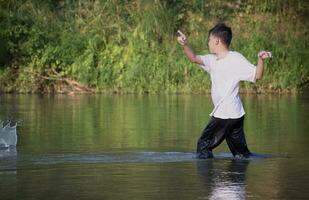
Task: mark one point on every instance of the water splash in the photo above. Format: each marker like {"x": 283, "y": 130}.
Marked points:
{"x": 132, "y": 157}
{"x": 8, "y": 135}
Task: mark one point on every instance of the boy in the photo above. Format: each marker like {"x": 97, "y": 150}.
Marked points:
{"x": 226, "y": 68}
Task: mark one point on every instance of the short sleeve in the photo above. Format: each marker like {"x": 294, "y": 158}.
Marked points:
{"x": 206, "y": 59}
{"x": 246, "y": 70}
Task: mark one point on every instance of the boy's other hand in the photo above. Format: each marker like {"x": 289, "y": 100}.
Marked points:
{"x": 264, "y": 54}
{"x": 182, "y": 38}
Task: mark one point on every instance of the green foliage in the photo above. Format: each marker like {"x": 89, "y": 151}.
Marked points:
{"x": 130, "y": 46}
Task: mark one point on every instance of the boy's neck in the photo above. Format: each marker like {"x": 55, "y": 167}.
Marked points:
{"x": 222, "y": 53}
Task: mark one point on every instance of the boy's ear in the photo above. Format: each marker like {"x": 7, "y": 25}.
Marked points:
{"x": 217, "y": 41}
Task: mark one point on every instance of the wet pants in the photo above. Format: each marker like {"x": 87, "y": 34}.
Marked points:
{"x": 219, "y": 129}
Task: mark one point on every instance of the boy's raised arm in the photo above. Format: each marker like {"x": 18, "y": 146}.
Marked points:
{"x": 182, "y": 39}
{"x": 260, "y": 64}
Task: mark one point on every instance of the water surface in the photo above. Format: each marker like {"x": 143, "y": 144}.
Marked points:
{"x": 142, "y": 147}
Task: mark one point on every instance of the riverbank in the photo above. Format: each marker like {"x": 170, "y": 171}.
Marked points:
{"x": 130, "y": 47}
{"x": 76, "y": 88}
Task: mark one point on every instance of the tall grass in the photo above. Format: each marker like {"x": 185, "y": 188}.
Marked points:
{"x": 130, "y": 46}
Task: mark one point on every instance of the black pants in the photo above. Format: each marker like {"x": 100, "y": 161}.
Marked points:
{"x": 219, "y": 129}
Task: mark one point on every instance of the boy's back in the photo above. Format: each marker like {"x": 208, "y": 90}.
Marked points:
{"x": 226, "y": 73}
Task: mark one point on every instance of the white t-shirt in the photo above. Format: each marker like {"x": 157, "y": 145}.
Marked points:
{"x": 226, "y": 73}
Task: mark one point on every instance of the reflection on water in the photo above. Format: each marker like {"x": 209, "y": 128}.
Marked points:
{"x": 8, "y": 152}
{"x": 225, "y": 180}
{"x": 142, "y": 147}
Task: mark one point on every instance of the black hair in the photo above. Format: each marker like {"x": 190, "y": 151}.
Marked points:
{"x": 223, "y": 32}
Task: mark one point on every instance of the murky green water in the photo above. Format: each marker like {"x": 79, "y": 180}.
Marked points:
{"x": 142, "y": 147}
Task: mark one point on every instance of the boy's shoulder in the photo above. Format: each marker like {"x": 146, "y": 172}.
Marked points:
{"x": 209, "y": 56}
{"x": 233, "y": 53}
{"x": 238, "y": 55}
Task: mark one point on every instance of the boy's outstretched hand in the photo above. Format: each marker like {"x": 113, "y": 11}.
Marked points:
{"x": 182, "y": 38}
{"x": 264, "y": 54}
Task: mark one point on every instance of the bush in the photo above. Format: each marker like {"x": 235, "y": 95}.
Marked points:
{"x": 130, "y": 46}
